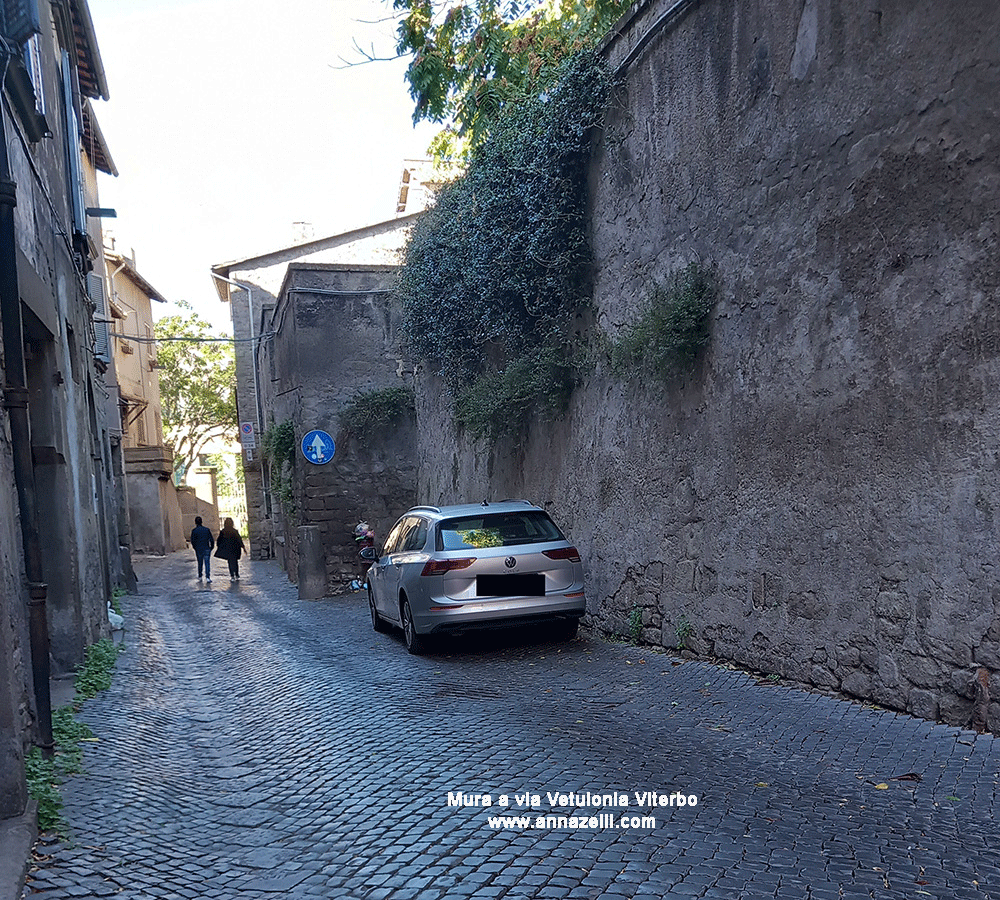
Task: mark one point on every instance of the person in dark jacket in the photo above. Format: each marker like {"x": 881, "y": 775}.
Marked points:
{"x": 202, "y": 543}
{"x": 230, "y": 547}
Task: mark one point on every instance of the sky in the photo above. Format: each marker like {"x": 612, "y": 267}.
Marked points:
{"x": 231, "y": 120}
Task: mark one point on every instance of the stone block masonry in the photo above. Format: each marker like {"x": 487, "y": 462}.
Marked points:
{"x": 816, "y": 498}
{"x": 335, "y": 337}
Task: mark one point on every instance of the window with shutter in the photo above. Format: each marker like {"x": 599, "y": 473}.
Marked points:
{"x": 102, "y": 343}
{"x": 33, "y": 62}
{"x": 73, "y": 135}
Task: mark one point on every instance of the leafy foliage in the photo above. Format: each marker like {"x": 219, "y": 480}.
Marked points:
{"x": 683, "y": 630}
{"x": 95, "y": 674}
{"x": 197, "y": 385}
{"x": 278, "y": 447}
{"x": 372, "y": 410}
{"x": 498, "y": 271}
{"x": 473, "y": 60}
{"x": 635, "y": 625}
{"x": 501, "y": 402}
{"x": 44, "y": 774}
{"x": 43, "y": 786}
{"x": 673, "y": 330}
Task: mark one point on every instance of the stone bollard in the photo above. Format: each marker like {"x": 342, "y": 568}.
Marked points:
{"x": 312, "y": 563}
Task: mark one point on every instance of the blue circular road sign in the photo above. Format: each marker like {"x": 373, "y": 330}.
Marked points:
{"x": 318, "y": 447}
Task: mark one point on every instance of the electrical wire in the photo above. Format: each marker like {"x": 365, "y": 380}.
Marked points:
{"x": 190, "y": 340}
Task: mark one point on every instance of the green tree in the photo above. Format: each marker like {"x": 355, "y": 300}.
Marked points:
{"x": 197, "y": 385}
{"x": 473, "y": 58}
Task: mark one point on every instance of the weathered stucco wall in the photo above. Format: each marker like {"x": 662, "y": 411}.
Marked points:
{"x": 818, "y": 497}
{"x": 154, "y": 509}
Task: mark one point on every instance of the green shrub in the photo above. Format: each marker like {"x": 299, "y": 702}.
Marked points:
{"x": 672, "y": 331}
{"x": 116, "y": 599}
{"x": 683, "y": 630}
{"x": 372, "y": 410}
{"x": 45, "y": 773}
{"x": 635, "y": 625}
{"x": 501, "y": 402}
{"x": 43, "y": 786}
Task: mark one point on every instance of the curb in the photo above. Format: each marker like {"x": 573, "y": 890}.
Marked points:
{"x": 17, "y": 837}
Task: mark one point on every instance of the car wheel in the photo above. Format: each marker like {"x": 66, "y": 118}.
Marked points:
{"x": 414, "y": 642}
{"x": 378, "y": 623}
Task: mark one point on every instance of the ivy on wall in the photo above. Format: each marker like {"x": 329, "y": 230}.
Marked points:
{"x": 497, "y": 272}
{"x": 278, "y": 448}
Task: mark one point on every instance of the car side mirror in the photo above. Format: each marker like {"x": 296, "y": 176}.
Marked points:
{"x": 369, "y": 554}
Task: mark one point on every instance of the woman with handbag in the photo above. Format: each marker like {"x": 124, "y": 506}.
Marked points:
{"x": 229, "y": 546}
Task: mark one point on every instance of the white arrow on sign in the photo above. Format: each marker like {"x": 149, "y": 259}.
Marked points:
{"x": 318, "y": 448}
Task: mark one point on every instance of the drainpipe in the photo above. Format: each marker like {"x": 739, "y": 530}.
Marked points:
{"x": 15, "y": 399}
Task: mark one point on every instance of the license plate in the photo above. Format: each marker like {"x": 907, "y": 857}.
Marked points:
{"x": 531, "y": 585}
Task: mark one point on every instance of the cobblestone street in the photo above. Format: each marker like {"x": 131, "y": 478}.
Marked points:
{"x": 254, "y": 746}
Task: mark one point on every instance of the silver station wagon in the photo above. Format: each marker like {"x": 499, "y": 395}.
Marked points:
{"x": 457, "y": 568}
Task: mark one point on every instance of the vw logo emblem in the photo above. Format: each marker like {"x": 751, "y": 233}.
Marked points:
{"x": 510, "y": 562}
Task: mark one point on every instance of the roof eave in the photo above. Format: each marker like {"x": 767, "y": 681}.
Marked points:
{"x": 93, "y": 137}
{"x": 84, "y": 26}
{"x": 125, "y": 265}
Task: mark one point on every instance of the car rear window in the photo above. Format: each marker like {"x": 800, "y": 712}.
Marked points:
{"x": 497, "y": 530}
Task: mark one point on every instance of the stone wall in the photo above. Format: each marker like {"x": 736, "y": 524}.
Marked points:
{"x": 817, "y": 498}
{"x": 335, "y": 336}
{"x": 16, "y": 703}
{"x": 191, "y": 506}
{"x": 263, "y": 278}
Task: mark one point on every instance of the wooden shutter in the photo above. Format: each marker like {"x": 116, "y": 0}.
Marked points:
{"x": 102, "y": 343}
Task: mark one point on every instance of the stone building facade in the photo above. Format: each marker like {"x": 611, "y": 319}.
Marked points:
{"x": 333, "y": 335}
{"x": 252, "y": 287}
{"x": 59, "y": 522}
{"x": 154, "y": 511}
{"x": 817, "y": 498}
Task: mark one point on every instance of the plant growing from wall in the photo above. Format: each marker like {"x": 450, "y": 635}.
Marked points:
{"x": 683, "y": 631}
{"x": 672, "y": 331}
{"x": 370, "y": 411}
{"x": 501, "y": 401}
{"x": 95, "y": 674}
{"x": 278, "y": 449}
{"x": 498, "y": 271}
{"x": 635, "y": 625}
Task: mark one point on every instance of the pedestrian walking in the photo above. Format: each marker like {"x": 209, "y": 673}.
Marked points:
{"x": 230, "y": 547}
{"x": 202, "y": 543}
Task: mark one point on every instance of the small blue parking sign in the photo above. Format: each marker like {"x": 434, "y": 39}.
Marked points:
{"x": 318, "y": 447}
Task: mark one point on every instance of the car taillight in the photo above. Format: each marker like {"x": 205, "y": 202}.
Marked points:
{"x": 570, "y": 553}
{"x": 440, "y": 566}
